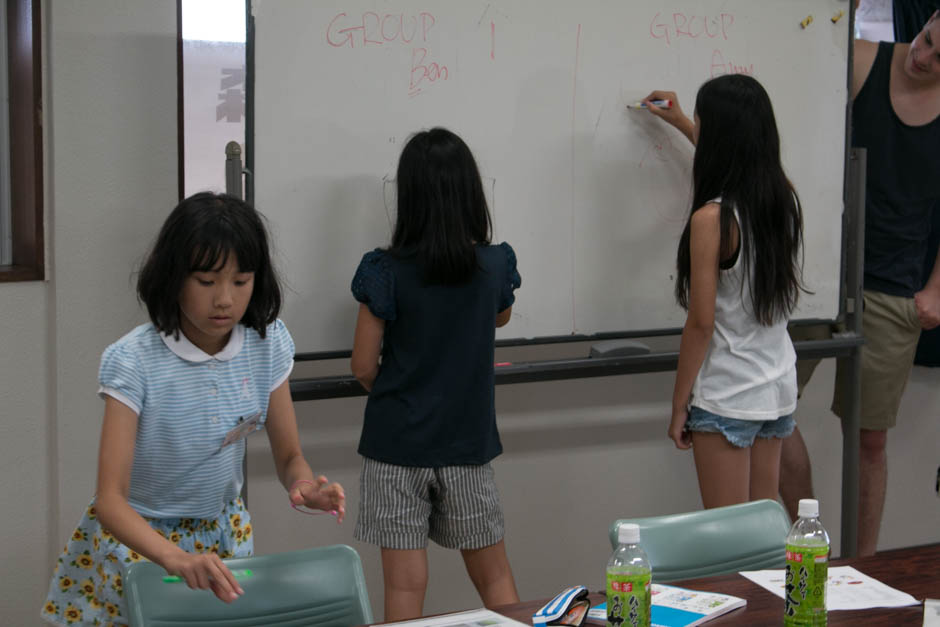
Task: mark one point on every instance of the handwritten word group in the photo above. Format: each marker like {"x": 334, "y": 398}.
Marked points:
{"x": 373, "y": 29}
{"x": 707, "y": 27}
{"x": 691, "y": 26}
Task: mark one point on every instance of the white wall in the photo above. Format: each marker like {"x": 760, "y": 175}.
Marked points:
{"x": 578, "y": 453}
{"x": 26, "y": 468}
{"x": 113, "y": 164}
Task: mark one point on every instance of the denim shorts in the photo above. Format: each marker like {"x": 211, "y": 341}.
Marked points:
{"x": 740, "y": 433}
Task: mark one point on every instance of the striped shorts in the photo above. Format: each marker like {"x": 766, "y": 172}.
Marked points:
{"x": 401, "y": 507}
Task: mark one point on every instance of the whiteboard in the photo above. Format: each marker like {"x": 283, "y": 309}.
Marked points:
{"x": 591, "y": 195}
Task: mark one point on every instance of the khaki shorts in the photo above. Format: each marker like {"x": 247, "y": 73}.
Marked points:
{"x": 891, "y": 329}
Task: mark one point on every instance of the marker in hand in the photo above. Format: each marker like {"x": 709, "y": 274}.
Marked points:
{"x": 663, "y": 104}
{"x": 238, "y": 574}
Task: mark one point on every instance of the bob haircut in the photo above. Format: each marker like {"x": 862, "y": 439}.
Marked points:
{"x": 737, "y": 158}
{"x": 198, "y": 236}
{"x": 442, "y": 212}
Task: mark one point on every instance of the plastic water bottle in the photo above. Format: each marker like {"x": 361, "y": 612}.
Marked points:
{"x": 628, "y": 581}
{"x": 807, "y": 568}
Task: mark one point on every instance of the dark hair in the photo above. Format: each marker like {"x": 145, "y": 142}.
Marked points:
{"x": 737, "y": 157}
{"x": 198, "y": 236}
{"x": 442, "y": 211}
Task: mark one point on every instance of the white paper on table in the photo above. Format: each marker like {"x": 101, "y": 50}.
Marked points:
{"x": 471, "y": 618}
{"x": 931, "y": 613}
{"x": 848, "y": 589}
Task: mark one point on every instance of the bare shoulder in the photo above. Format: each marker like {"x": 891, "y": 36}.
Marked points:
{"x": 707, "y": 216}
{"x": 863, "y": 58}
{"x": 705, "y": 228}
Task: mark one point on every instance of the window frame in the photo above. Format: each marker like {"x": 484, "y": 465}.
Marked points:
{"x": 24, "y": 35}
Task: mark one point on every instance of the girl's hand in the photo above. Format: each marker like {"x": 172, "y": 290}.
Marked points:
{"x": 205, "y": 571}
{"x": 677, "y": 432}
{"x": 669, "y": 114}
{"x": 319, "y": 494}
{"x": 672, "y": 115}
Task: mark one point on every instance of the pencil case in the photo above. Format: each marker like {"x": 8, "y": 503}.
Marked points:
{"x": 570, "y": 607}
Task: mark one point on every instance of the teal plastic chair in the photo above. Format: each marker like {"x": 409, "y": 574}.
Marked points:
{"x": 322, "y": 586}
{"x": 747, "y": 536}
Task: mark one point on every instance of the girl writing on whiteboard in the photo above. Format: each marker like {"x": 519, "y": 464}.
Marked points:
{"x": 180, "y": 394}
{"x": 423, "y": 348}
{"x": 738, "y": 277}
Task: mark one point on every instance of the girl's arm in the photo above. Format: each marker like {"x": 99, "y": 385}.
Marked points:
{"x": 704, "y": 244}
{"x": 115, "y": 460}
{"x": 367, "y": 346}
{"x": 292, "y": 468}
{"x": 673, "y": 115}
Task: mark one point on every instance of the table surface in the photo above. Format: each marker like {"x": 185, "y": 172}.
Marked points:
{"x": 914, "y": 570}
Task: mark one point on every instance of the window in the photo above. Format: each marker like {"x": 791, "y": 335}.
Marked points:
{"x": 874, "y": 20}
{"x": 213, "y": 87}
{"x": 21, "y": 201}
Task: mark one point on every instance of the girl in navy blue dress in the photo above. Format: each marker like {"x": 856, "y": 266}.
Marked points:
{"x": 429, "y": 307}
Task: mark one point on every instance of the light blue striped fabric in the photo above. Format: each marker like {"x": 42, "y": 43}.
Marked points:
{"x": 186, "y": 402}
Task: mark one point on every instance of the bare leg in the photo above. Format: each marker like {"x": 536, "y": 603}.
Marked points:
{"x": 765, "y": 468}
{"x": 490, "y": 572}
{"x": 723, "y": 470}
{"x": 406, "y": 581}
{"x": 796, "y": 477}
{"x": 872, "y": 485}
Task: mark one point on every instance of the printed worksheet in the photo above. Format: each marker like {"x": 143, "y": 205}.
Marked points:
{"x": 848, "y": 589}
{"x": 472, "y": 618}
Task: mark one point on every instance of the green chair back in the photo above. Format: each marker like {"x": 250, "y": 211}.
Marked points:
{"x": 321, "y": 586}
{"x": 747, "y": 536}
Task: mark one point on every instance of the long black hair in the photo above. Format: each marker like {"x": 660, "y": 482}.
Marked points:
{"x": 198, "y": 236}
{"x": 737, "y": 157}
{"x": 442, "y": 211}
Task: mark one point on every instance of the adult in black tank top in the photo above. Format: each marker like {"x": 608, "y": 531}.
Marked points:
{"x": 896, "y": 117}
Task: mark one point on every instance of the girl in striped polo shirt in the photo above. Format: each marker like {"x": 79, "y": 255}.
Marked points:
{"x": 180, "y": 393}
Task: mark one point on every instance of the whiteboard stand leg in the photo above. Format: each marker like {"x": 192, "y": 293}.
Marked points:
{"x": 233, "y": 187}
{"x": 854, "y": 271}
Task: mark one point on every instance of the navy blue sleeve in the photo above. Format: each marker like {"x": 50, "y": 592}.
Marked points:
{"x": 374, "y": 285}
{"x": 513, "y": 280}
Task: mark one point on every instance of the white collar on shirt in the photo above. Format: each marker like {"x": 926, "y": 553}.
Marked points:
{"x": 185, "y": 349}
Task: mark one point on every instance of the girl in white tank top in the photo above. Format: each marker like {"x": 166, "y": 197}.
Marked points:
{"x": 738, "y": 276}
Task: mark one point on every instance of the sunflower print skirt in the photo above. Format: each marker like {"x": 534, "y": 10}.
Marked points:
{"x": 87, "y": 583}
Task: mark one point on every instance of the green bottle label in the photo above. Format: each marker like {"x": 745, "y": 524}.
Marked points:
{"x": 805, "y": 585}
{"x": 628, "y": 600}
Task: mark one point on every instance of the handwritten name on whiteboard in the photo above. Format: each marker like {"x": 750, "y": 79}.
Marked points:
{"x": 720, "y": 27}
{"x": 372, "y": 29}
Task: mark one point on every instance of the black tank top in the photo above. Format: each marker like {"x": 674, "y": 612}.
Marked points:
{"x": 903, "y": 184}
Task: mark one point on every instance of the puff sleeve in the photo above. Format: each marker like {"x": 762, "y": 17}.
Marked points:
{"x": 282, "y": 353}
{"x": 374, "y": 284}
{"x": 121, "y": 376}
{"x": 512, "y": 281}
